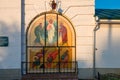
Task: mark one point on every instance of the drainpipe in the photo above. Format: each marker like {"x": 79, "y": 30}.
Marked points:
{"x": 22, "y": 32}
{"x": 97, "y": 27}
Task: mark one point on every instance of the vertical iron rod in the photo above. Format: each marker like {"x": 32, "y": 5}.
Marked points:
{"x": 97, "y": 27}
{"x": 22, "y": 34}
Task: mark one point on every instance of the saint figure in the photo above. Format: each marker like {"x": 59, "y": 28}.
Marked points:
{"x": 51, "y": 31}
{"x": 64, "y": 59}
{"x": 51, "y": 57}
{"x": 37, "y": 58}
{"x": 63, "y": 33}
{"x": 39, "y": 33}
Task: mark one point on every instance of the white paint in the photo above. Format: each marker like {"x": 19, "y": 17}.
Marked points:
{"x": 108, "y": 44}
{"x": 85, "y": 10}
{"x": 10, "y": 19}
{"x": 10, "y": 25}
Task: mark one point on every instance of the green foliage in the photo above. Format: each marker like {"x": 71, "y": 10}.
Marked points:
{"x": 110, "y": 76}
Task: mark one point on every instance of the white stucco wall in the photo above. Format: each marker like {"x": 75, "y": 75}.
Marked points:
{"x": 108, "y": 45}
{"x": 82, "y": 17}
{"x": 10, "y": 26}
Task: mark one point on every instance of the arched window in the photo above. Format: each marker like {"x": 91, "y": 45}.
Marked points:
{"x": 50, "y": 43}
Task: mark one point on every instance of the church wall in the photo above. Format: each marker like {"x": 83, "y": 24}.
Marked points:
{"x": 10, "y": 26}
{"x": 81, "y": 14}
{"x": 82, "y": 17}
{"x": 108, "y": 45}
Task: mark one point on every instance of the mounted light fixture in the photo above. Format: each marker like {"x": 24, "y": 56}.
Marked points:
{"x": 56, "y": 5}
{"x": 53, "y": 4}
{"x": 96, "y": 18}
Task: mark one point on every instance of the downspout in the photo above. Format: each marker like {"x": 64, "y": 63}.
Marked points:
{"x": 97, "y": 27}
{"x": 22, "y": 33}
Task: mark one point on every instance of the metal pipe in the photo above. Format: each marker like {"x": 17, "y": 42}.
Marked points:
{"x": 22, "y": 32}
{"x": 97, "y": 27}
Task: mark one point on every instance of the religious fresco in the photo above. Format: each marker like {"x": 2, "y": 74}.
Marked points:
{"x": 51, "y": 30}
{"x": 35, "y": 58}
{"x": 63, "y": 37}
{"x": 50, "y": 42}
{"x": 66, "y": 36}
{"x": 39, "y": 35}
{"x": 51, "y": 58}
{"x": 65, "y": 57}
{"x": 36, "y": 33}
{"x": 46, "y": 32}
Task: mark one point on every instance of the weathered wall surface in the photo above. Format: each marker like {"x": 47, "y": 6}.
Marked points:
{"x": 108, "y": 45}
{"x": 10, "y": 26}
{"x": 80, "y": 12}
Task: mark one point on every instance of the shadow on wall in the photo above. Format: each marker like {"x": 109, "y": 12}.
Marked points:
{"x": 10, "y": 56}
{"x": 108, "y": 44}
